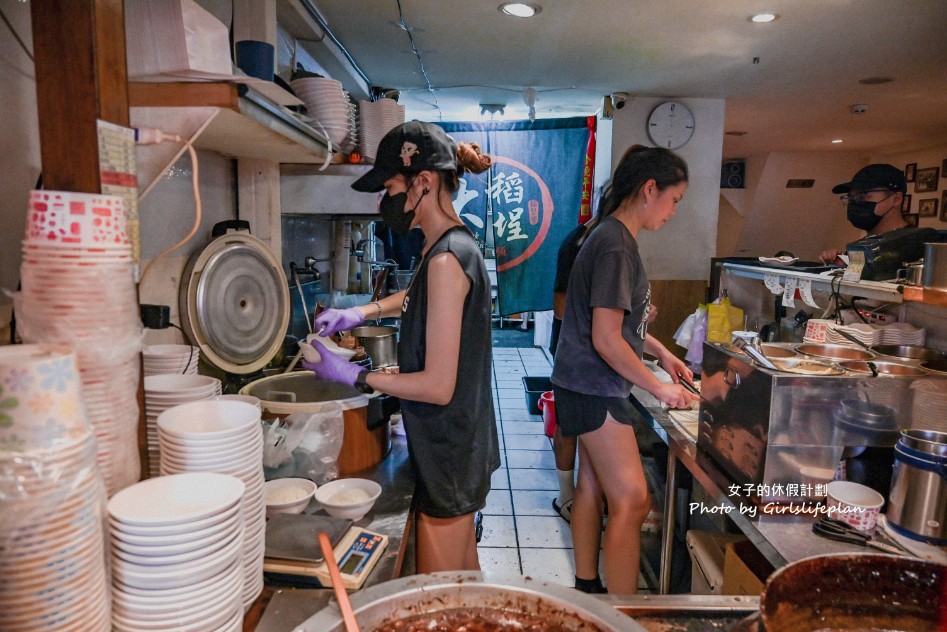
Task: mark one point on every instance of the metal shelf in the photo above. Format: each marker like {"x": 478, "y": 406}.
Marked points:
{"x": 872, "y": 290}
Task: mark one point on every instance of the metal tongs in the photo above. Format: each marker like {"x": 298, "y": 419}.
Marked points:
{"x": 689, "y": 385}
{"x": 837, "y": 530}
{"x": 755, "y": 353}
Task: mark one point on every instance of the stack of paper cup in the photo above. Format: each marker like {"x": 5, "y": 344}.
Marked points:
{"x": 79, "y": 289}
{"x": 52, "y": 560}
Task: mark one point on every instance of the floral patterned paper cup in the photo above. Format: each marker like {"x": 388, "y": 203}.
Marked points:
{"x": 41, "y": 404}
{"x": 854, "y": 504}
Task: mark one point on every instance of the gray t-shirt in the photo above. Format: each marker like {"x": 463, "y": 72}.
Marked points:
{"x": 607, "y": 273}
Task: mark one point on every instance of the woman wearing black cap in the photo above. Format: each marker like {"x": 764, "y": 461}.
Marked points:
{"x": 444, "y": 350}
{"x": 873, "y": 200}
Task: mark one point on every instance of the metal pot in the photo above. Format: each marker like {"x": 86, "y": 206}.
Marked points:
{"x": 918, "y": 501}
{"x": 835, "y": 352}
{"x": 881, "y": 368}
{"x": 851, "y": 592}
{"x": 302, "y": 391}
{"x": 935, "y": 267}
{"x": 400, "y": 598}
{"x": 380, "y": 342}
{"x": 912, "y": 273}
{"x": 908, "y": 352}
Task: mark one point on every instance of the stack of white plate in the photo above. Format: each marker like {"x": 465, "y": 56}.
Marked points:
{"x": 929, "y": 409}
{"x": 868, "y": 334}
{"x": 327, "y": 103}
{"x": 376, "y": 118}
{"x": 176, "y": 543}
{"x": 226, "y": 437}
{"x": 903, "y": 334}
{"x": 167, "y": 391}
{"x": 79, "y": 289}
{"x": 161, "y": 359}
{"x": 350, "y": 142}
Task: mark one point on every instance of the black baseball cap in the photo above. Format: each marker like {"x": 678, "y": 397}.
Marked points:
{"x": 877, "y": 176}
{"x": 409, "y": 148}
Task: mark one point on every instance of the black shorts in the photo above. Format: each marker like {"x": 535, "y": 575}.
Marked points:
{"x": 578, "y": 413}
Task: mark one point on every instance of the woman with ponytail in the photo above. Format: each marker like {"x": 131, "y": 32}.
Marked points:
{"x": 445, "y": 345}
{"x": 598, "y": 361}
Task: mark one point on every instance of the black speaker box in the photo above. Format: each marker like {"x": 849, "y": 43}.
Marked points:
{"x": 732, "y": 174}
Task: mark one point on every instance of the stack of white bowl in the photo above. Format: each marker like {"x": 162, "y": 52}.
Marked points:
{"x": 226, "y": 437}
{"x": 350, "y": 142}
{"x": 161, "y": 359}
{"x": 327, "y": 103}
{"x": 929, "y": 407}
{"x": 52, "y": 557}
{"x": 167, "y": 391}
{"x": 79, "y": 289}
{"x": 376, "y": 118}
{"x": 176, "y": 544}
{"x": 903, "y": 334}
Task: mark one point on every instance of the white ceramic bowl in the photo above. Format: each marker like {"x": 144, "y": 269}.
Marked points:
{"x": 350, "y": 498}
{"x": 287, "y": 495}
{"x": 854, "y": 504}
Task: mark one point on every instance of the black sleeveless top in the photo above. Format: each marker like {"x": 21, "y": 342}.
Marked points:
{"x": 453, "y": 448}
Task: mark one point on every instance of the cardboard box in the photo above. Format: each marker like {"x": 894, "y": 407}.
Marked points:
{"x": 707, "y": 551}
{"x": 175, "y": 37}
{"x": 744, "y": 569}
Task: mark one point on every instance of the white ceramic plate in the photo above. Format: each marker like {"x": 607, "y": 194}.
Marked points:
{"x": 175, "y": 500}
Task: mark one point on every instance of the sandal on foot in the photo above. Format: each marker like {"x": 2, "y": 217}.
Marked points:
{"x": 564, "y": 510}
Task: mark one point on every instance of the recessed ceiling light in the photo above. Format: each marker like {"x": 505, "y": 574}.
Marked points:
{"x": 837, "y": 141}
{"x": 763, "y": 18}
{"x": 520, "y": 9}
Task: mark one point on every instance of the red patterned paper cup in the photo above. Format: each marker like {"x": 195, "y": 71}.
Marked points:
{"x": 854, "y": 504}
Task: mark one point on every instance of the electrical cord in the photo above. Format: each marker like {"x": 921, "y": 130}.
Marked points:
{"x": 187, "y": 339}
{"x": 197, "y": 211}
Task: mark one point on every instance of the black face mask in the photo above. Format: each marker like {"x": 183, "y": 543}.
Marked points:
{"x": 862, "y": 214}
{"x": 394, "y": 215}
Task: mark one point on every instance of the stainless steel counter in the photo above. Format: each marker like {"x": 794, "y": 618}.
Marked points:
{"x": 780, "y": 538}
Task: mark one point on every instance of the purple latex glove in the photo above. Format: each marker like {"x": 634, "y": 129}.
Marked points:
{"x": 336, "y": 320}
{"x": 332, "y": 367}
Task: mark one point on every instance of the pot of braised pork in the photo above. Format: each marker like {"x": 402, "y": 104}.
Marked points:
{"x": 475, "y": 602}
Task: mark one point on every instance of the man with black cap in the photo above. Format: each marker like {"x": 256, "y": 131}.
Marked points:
{"x": 873, "y": 199}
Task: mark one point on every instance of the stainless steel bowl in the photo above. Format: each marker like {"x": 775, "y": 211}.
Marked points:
{"x": 882, "y": 368}
{"x": 418, "y": 594}
{"x": 927, "y": 441}
{"x": 835, "y": 352}
{"x": 769, "y": 349}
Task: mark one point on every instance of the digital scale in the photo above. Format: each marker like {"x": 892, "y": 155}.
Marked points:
{"x": 356, "y": 553}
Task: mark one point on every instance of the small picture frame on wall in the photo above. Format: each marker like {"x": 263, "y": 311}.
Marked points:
{"x": 943, "y": 169}
{"x": 926, "y": 180}
{"x": 943, "y": 206}
{"x": 911, "y": 220}
{"x": 910, "y": 171}
{"x": 906, "y": 204}
{"x": 927, "y": 207}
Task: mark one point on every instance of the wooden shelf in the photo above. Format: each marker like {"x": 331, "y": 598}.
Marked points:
{"x": 226, "y": 117}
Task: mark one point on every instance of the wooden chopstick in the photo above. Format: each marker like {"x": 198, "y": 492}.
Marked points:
{"x": 348, "y": 615}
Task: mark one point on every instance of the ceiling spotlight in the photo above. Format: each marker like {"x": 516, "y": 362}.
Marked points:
{"x": 837, "y": 141}
{"x": 520, "y": 9}
{"x": 763, "y": 18}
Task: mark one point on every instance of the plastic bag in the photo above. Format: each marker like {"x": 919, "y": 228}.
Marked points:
{"x": 722, "y": 320}
{"x": 695, "y": 350}
{"x": 685, "y": 332}
{"x": 305, "y": 445}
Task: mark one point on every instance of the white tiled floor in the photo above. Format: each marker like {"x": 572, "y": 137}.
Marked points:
{"x": 522, "y": 534}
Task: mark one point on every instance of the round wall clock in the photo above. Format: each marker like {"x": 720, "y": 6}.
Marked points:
{"x": 670, "y": 125}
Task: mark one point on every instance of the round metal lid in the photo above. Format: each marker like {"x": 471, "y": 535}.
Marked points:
{"x": 236, "y": 303}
